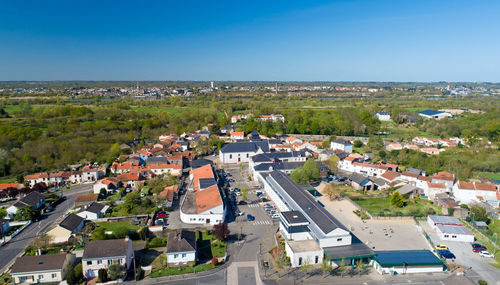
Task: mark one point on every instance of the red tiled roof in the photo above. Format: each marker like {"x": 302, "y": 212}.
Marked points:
{"x": 237, "y": 133}
{"x": 436, "y": 185}
{"x": 207, "y": 199}
{"x": 86, "y": 197}
{"x": 390, "y": 175}
{"x": 5, "y": 186}
{"x": 135, "y": 176}
{"x": 485, "y": 187}
{"x": 465, "y": 185}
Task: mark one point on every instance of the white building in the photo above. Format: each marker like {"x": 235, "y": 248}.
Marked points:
{"x": 383, "y": 116}
{"x": 93, "y": 211}
{"x": 203, "y": 203}
{"x": 304, "y": 252}
{"x": 237, "y": 135}
{"x": 467, "y": 193}
{"x": 50, "y": 268}
{"x": 242, "y": 151}
{"x": 181, "y": 248}
{"x": 342, "y": 145}
{"x": 432, "y": 114}
{"x": 100, "y": 254}
{"x": 407, "y": 261}
{"x": 450, "y": 228}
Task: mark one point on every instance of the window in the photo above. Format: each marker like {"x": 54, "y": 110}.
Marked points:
{"x": 316, "y": 259}
{"x": 120, "y": 261}
{"x": 99, "y": 261}
{"x": 230, "y": 156}
{"x": 300, "y": 261}
{"x": 109, "y": 261}
{"x": 176, "y": 255}
{"x": 40, "y": 276}
{"x": 184, "y": 255}
{"x": 453, "y": 236}
{"x": 339, "y": 239}
{"x": 247, "y": 155}
{"x": 446, "y": 236}
{"x": 89, "y": 262}
{"x": 54, "y": 275}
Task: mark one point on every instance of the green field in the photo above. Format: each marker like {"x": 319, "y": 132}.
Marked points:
{"x": 174, "y": 110}
{"x": 491, "y": 175}
{"x": 382, "y": 207}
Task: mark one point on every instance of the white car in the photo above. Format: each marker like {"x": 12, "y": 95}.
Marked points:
{"x": 485, "y": 253}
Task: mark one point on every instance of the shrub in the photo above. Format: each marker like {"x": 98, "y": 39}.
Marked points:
{"x": 116, "y": 271}
{"x": 214, "y": 261}
{"x": 102, "y": 275}
{"x": 482, "y": 282}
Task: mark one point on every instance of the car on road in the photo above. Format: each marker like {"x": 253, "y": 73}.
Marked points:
{"x": 250, "y": 217}
{"x": 242, "y": 202}
{"x": 445, "y": 253}
{"x": 440, "y": 247}
{"x": 258, "y": 193}
{"x": 485, "y": 253}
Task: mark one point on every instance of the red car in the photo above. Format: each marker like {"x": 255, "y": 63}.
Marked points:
{"x": 476, "y": 247}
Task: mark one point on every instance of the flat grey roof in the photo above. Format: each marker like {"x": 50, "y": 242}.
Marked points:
{"x": 451, "y": 229}
{"x": 445, "y": 220}
{"x": 355, "y": 250}
{"x": 319, "y": 216}
{"x": 294, "y": 217}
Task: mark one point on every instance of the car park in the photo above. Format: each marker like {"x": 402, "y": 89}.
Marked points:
{"x": 485, "y": 253}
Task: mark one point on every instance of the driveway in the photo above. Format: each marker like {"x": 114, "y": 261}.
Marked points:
{"x": 16, "y": 246}
{"x": 479, "y": 266}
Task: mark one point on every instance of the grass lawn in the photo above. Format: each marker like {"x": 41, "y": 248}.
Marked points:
{"x": 491, "y": 175}
{"x": 118, "y": 228}
{"x": 382, "y": 206}
{"x": 8, "y": 180}
{"x": 493, "y": 227}
{"x": 113, "y": 197}
{"x": 173, "y": 110}
{"x": 210, "y": 247}
{"x": 180, "y": 270}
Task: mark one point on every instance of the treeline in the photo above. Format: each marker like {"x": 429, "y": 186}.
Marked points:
{"x": 49, "y": 138}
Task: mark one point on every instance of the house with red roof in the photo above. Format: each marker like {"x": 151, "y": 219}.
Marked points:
{"x": 472, "y": 192}
{"x": 237, "y": 135}
{"x": 203, "y": 202}
{"x": 110, "y": 184}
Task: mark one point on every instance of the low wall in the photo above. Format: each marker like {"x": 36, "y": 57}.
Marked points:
{"x": 8, "y": 238}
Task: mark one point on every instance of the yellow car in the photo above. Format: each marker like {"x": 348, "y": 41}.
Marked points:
{"x": 440, "y": 247}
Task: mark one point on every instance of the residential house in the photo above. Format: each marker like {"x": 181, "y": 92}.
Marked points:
{"x": 433, "y": 189}
{"x": 90, "y": 174}
{"x": 430, "y": 150}
{"x": 181, "y": 248}
{"x": 131, "y": 180}
{"x": 343, "y": 145}
{"x": 162, "y": 169}
{"x": 394, "y": 146}
{"x": 100, "y": 254}
{"x": 444, "y": 177}
{"x": 360, "y": 182}
{"x": 110, "y": 184}
{"x": 383, "y": 116}
{"x": 39, "y": 269}
{"x": 93, "y": 211}
{"x": 237, "y": 135}
{"x": 272, "y": 117}
{"x": 33, "y": 199}
{"x": 170, "y": 193}
{"x": 6, "y": 186}
{"x": 66, "y": 229}
{"x": 42, "y": 177}
{"x": 471, "y": 192}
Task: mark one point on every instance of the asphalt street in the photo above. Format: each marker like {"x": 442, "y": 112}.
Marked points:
{"x": 16, "y": 246}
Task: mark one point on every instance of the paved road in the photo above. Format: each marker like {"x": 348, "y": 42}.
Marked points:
{"x": 13, "y": 248}
{"x": 217, "y": 278}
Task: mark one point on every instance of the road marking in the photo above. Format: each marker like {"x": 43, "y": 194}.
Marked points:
{"x": 267, "y": 222}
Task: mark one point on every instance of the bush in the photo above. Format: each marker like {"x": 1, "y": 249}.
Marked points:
{"x": 482, "y": 282}
{"x": 358, "y": 143}
{"x": 102, "y": 275}
{"x": 116, "y": 271}
{"x": 214, "y": 261}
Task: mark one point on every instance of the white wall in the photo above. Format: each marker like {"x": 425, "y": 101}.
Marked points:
{"x": 410, "y": 269}
{"x": 308, "y": 257}
{"x": 233, "y": 157}
{"x": 39, "y": 277}
{"x": 454, "y": 237}
{"x": 216, "y": 216}
{"x": 177, "y": 257}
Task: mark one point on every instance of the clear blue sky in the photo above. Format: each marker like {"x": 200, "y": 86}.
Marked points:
{"x": 250, "y": 40}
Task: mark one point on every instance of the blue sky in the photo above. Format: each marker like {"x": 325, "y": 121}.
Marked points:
{"x": 250, "y": 40}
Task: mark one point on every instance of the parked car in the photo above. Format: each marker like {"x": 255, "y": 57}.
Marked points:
{"x": 271, "y": 212}
{"x": 240, "y": 213}
{"x": 275, "y": 216}
{"x": 477, "y": 247}
{"x": 250, "y": 217}
{"x": 242, "y": 202}
{"x": 258, "y": 193}
{"x": 445, "y": 253}
{"x": 440, "y": 247}
{"x": 485, "y": 253}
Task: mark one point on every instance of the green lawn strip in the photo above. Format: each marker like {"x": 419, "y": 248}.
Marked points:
{"x": 116, "y": 227}
{"x": 210, "y": 247}
{"x": 491, "y": 175}
{"x": 181, "y": 270}
{"x": 493, "y": 227}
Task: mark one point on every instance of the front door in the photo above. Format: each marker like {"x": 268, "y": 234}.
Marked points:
{"x": 208, "y": 221}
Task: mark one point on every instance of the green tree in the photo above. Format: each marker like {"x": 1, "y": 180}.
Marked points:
{"x": 3, "y": 213}
{"x": 397, "y": 199}
{"x": 311, "y": 170}
{"x": 116, "y": 271}
{"x": 479, "y": 213}
{"x": 358, "y": 143}
{"x": 102, "y": 275}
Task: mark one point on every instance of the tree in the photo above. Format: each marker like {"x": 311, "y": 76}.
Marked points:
{"x": 41, "y": 241}
{"x": 74, "y": 275}
{"x": 116, "y": 271}
{"x": 307, "y": 173}
{"x": 333, "y": 163}
{"x": 221, "y": 231}
{"x": 27, "y": 213}
{"x": 397, "y": 199}
{"x": 479, "y": 213}
{"x": 332, "y": 192}
{"x": 358, "y": 143}
{"x": 102, "y": 275}
{"x": 244, "y": 193}
{"x": 3, "y": 213}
